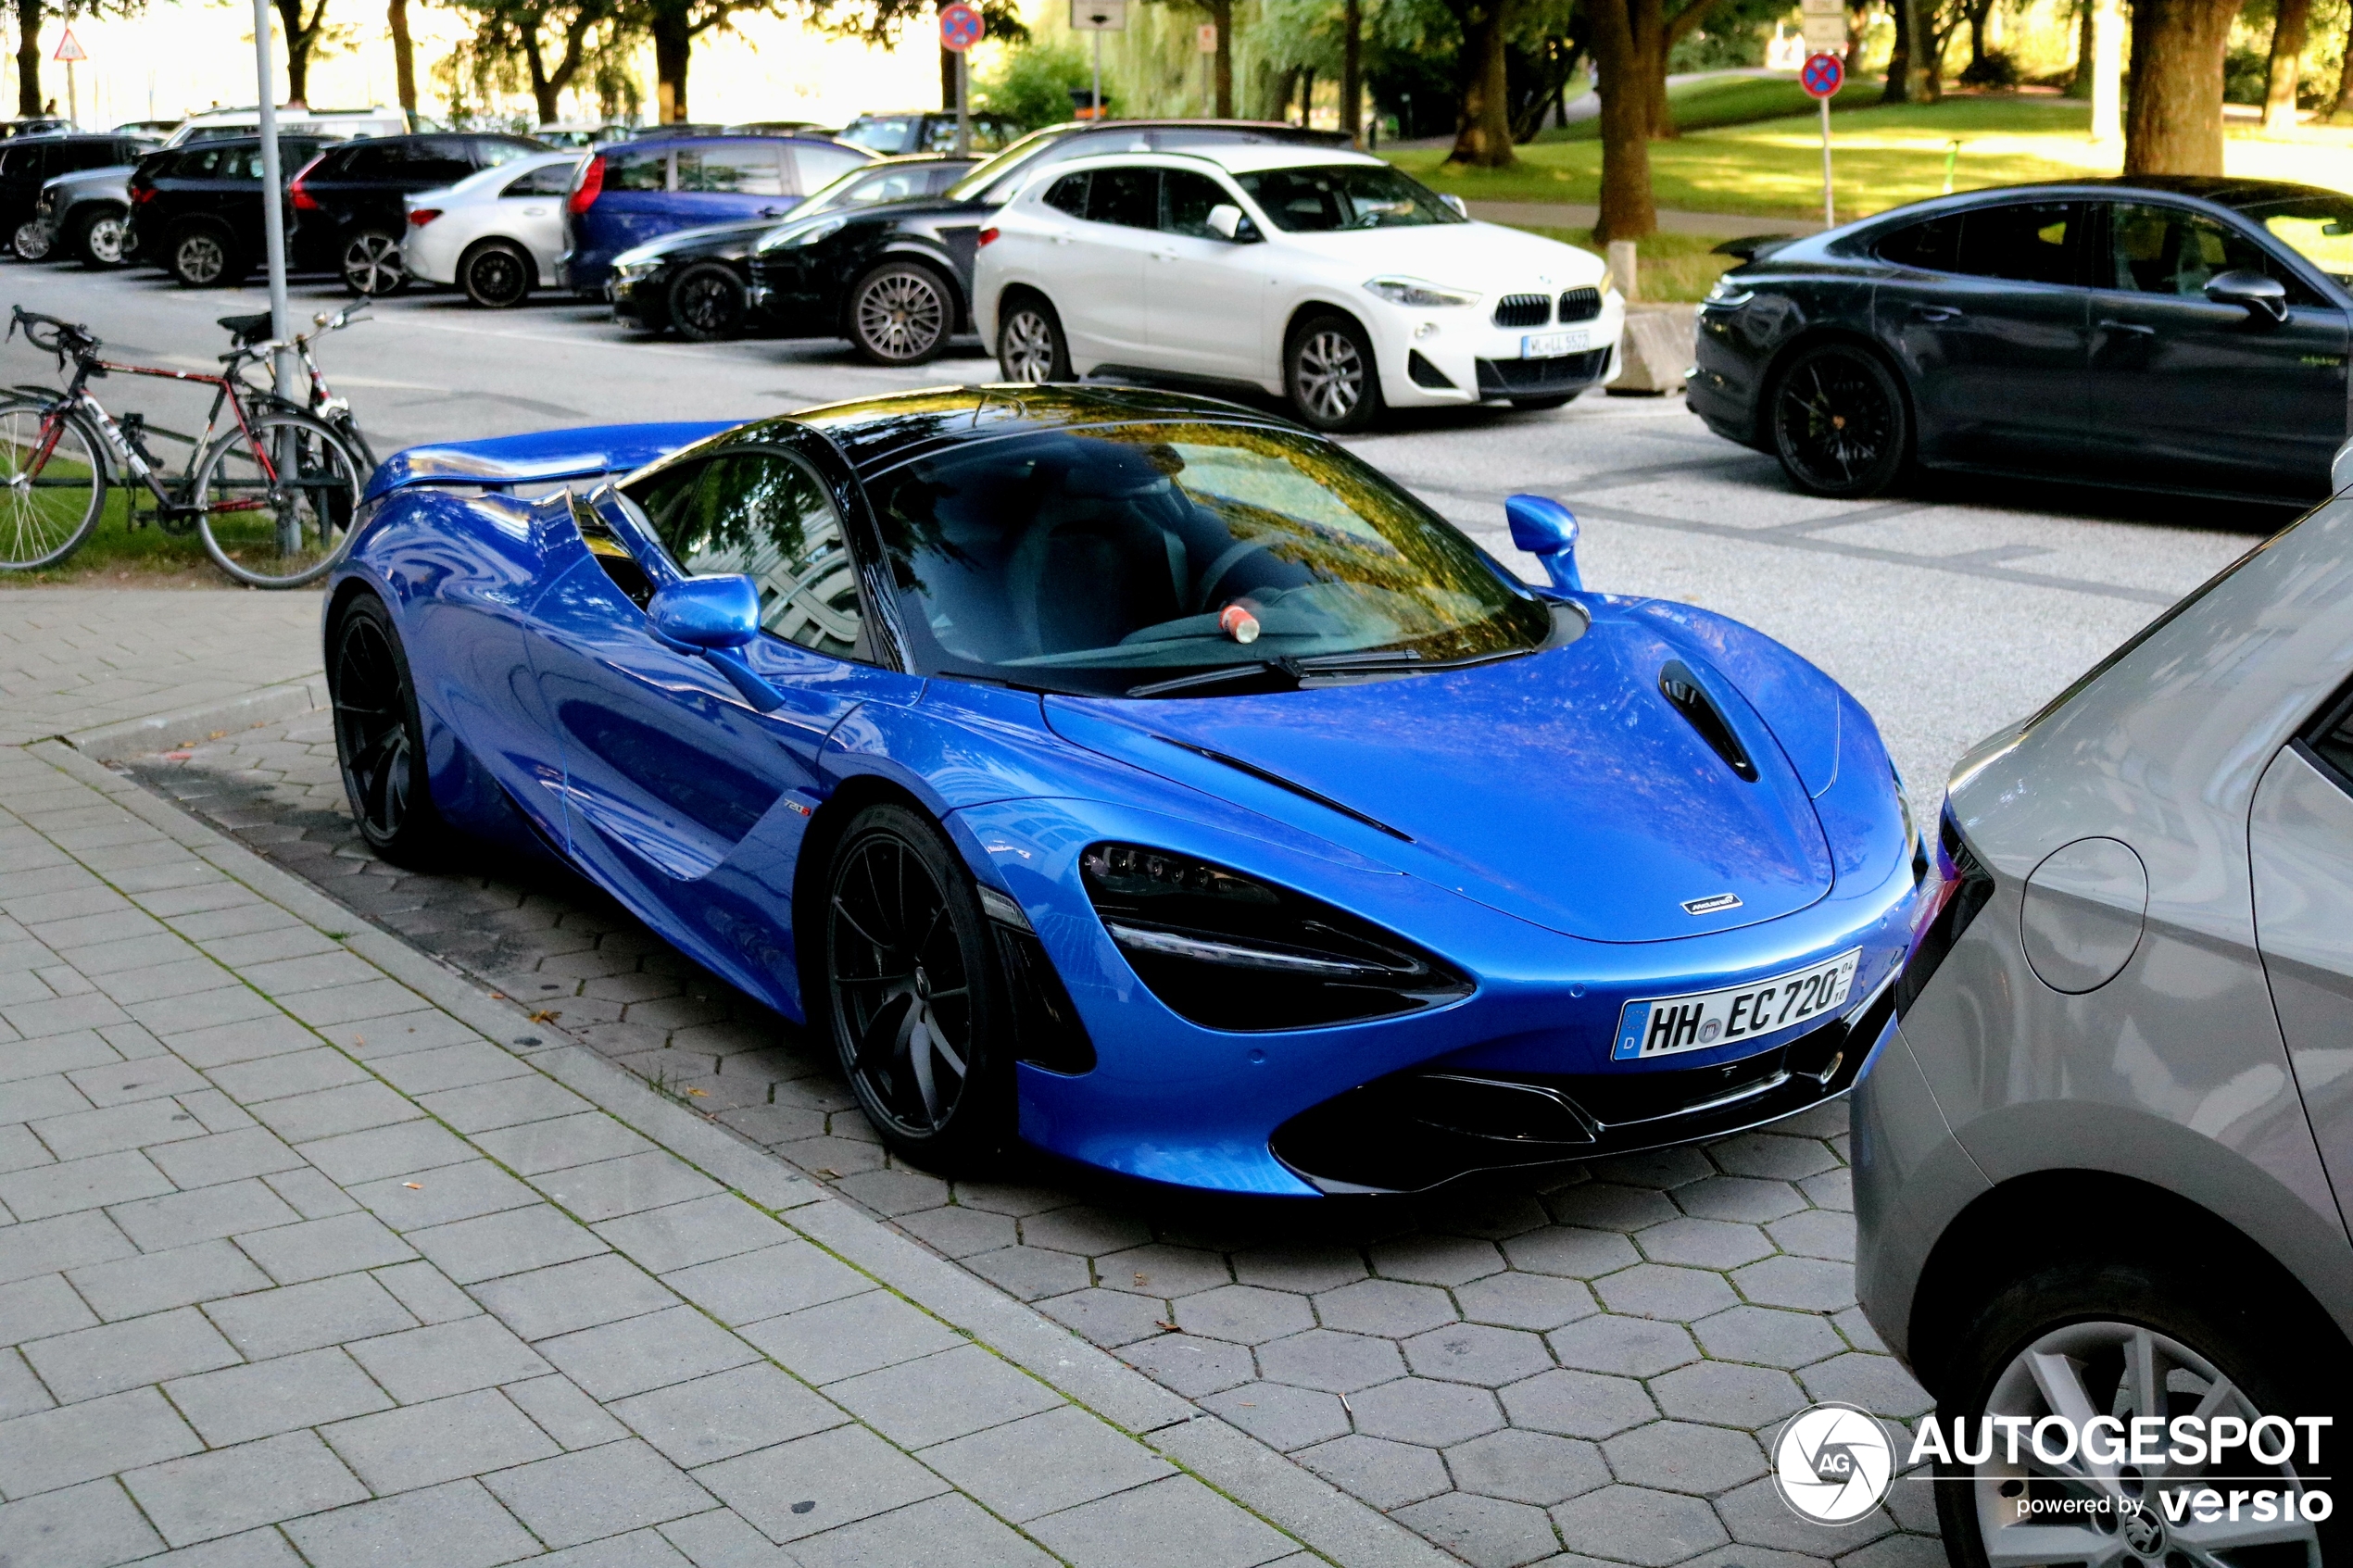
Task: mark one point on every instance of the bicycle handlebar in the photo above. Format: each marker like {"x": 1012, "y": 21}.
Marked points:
{"x": 62, "y": 338}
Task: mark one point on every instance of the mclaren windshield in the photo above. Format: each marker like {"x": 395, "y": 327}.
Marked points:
{"x": 1166, "y": 560}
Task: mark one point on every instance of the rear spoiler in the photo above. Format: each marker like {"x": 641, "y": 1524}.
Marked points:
{"x": 1755, "y": 247}
{"x": 546, "y": 456}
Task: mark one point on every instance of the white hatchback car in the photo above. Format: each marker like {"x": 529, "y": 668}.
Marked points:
{"x": 1326, "y": 277}
{"x": 495, "y": 234}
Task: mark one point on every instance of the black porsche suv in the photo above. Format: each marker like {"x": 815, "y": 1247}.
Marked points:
{"x": 349, "y": 217}
{"x": 196, "y": 212}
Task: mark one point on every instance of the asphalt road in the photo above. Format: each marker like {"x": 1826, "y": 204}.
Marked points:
{"x": 1950, "y": 610}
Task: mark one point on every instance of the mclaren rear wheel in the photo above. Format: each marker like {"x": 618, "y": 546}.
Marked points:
{"x": 380, "y": 743}
{"x": 1839, "y": 423}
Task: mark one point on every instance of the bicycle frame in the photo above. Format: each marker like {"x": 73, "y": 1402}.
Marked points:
{"x": 226, "y": 388}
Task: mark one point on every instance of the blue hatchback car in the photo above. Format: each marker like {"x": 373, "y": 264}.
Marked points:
{"x": 627, "y": 192}
{"x": 1143, "y": 778}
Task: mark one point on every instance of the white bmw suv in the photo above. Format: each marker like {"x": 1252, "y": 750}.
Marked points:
{"x": 1326, "y": 277}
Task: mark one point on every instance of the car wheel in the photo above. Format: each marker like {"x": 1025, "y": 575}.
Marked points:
{"x": 201, "y": 257}
{"x": 2127, "y": 1340}
{"x": 707, "y": 304}
{"x": 1329, "y": 372}
{"x": 100, "y": 241}
{"x": 496, "y": 275}
{"x": 1541, "y": 405}
{"x": 1030, "y": 346}
{"x": 913, "y": 990}
{"x": 1839, "y": 423}
{"x": 372, "y": 264}
{"x": 901, "y": 313}
{"x": 31, "y": 241}
{"x": 379, "y": 741}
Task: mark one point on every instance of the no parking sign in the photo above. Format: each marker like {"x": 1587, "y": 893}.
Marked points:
{"x": 1822, "y": 75}
{"x": 959, "y": 27}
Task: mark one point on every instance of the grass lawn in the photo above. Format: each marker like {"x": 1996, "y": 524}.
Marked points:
{"x": 116, "y": 554}
{"x": 1675, "y": 267}
{"x": 1884, "y": 156}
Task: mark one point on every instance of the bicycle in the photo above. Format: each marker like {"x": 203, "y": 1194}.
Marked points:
{"x": 272, "y": 496}
{"x": 249, "y": 336}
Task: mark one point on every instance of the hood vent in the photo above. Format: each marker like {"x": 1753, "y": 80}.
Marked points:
{"x": 1268, "y": 776}
{"x": 1687, "y": 696}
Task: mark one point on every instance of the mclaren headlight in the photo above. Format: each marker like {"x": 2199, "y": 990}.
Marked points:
{"x": 1418, "y": 293}
{"x": 1226, "y": 951}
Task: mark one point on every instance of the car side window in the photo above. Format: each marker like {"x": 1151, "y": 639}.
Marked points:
{"x": 1933, "y": 245}
{"x": 2025, "y": 241}
{"x": 1185, "y": 201}
{"x": 1130, "y": 197}
{"x": 1069, "y": 195}
{"x": 491, "y": 153}
{"x": 2156, "y": 250}
{"x": 554, "y": 179}
{"x": 636, "y": 172}
{"x": 767, "y": 515}
{"x": 820, "y": 165}
{"x": 730, "y": 171}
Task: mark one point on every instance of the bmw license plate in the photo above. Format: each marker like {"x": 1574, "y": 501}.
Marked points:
{"x": 1665, "y": 1025}
{"x": 1551, "y": 346}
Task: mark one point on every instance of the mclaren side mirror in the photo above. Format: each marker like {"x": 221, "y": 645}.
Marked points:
{"x": 2252, "y": 290}
{"x": 1547, "y": 530}
{"x": 713, "y": 617}
{"x": 1227, "y": 222}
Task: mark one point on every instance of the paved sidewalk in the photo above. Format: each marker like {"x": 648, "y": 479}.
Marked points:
{"x": 311, "y": 1253}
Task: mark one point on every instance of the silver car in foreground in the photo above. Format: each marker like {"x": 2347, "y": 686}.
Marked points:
{"x": 2102, "y": 1167}
{"x": 494, "y": 235}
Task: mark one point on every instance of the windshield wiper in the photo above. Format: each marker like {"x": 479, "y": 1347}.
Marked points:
{"x": 1222, "y": 675}
{"x": 1373, "y": 660}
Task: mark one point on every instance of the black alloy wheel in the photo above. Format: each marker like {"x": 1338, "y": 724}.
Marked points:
{"x": 1839, "y": 423}
{"x": 203, "y": 257}
{"x": 495, "y": 275}
{"x": 707, "y": 303}
{"x": 379, "y": 740}
{"x": 371, "y": 267}
{"x": 912, "y": 985}
{"x": 1030, "y": 346}
{"x": 98, "y": 240}
{"x": 1329, "y": 372}
{"x": 900, "y": 314}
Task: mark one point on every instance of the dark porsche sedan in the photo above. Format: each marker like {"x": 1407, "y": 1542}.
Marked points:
{"x": 2179, "y": 333}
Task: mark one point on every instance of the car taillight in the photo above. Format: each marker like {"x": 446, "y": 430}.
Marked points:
{"x": 303, "y": 200}
{"x": 140, "y": 193}
{"x": 592, "y": 183}
{"x": 424, "y": 216}
{"x": 987, "y": 235}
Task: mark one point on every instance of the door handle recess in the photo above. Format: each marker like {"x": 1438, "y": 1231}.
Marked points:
{"x": 1936, "y": 312}
{"x": 2133, "y": 328}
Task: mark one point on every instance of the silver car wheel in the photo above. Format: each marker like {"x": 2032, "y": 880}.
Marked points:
{"x": 2122, "y": 1370}
{"x": 371, "y": 265}
{"x": 104, "y": 240}
{"x": 31, "y": 240}
{"x": 1028, "y": 350}
{"x": 1330, "y": 374}
{"x": 201, "y": 258}
{"x": 900, "y": 315}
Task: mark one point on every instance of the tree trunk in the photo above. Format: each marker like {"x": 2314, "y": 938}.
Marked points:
{"x": 1904, "y": 74}
{"x": 28, "y": 56}
{"x": 2080, "y": 84}
{"x": 1352, "y": 72}
{"x": 404, "y": 59}
{"x": 298, "y": 41}
{"x": 1483, "y": 127}
{"x": 2342, "y": 108}
{"x": 2287, "y": 55}
{"x": 673, "y": 42}
{"x": 1628, "y": 212}
{"x": 1306, "y": 95}
{"x": 2173, "y": 124}
{"x": 1662, "y": 113}
{"x": 1222, "y": 13}
{"x": 544, "y": 91}
{"x": 1977, "y": 15}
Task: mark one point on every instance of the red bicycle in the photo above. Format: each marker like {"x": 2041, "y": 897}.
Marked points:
{"x": 270, "y": 491}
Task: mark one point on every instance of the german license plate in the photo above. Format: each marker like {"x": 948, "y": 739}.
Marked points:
{"x": 1551, "y": 346}
{"x": 1698, "y": 1021}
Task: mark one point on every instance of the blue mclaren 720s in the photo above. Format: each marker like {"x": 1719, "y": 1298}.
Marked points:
{"x": 1139, "y": 778}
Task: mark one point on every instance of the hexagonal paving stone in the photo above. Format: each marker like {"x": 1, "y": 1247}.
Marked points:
{"x": 1680, "y": 1457}
{"x": 1483, "y": 1532}
{"x": 1768, "y": 1337}
{"x": 960, "y": 1232}
{"x": 1610, "y": 1207}
{"x": 1724, "y": 1394}
{"x": 1818, "y": 1233}
{"x": 1521, "y": 1301}
{"x": 1337, "y": 1363}
{"x": 1466, "y": 1352}
{"x": 1657, "y": 1290}
{"x": 1858, "y": 1330}
{"x": 1246, "y": 1314}
{"x": 1415, "y": 1410}
{"x": 1640, "y": 1525}
{"x": 1110, "y": 1318}
{"x": 1385, "y": 1307}
{"x": 1531, "y": 1467}
{"x": 1739, "y": 1198}
{"x": 1085, "y": 1230}
{"x": 1878, "y": 1383}
{"x": 999, "y": 1197}
{"x": 1279, "y": 1416}
{"x": 1757, "y": 1516}
{"x": 1030, "y": 1272}
{"x": 1578, "y": 1404}
{"x": 1156, "y": 1269}
{"x": 1190, "y": 1366}
{"x": 1831, "y": 1189}
{"x": 1383, "y": 1473}
{"x": 1308, "y": 1269}
{"x": 1654, "y": 1168}
{"x": 1634, "y": 1347}
{"x": 1898, "y": 1551}
{"x": 1812, "y": 1283}
{"x": 1494, "y": 1215}
{"x": 1771, "y": 1154}
{"x": 1572, "y": 1251}
{"x": 1436, "y": 1260}
{"x": 1706, "y": 1244}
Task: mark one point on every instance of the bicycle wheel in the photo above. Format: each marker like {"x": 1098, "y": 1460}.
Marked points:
{"x": 277, "y": 502}
{"x": 52, "y": 484}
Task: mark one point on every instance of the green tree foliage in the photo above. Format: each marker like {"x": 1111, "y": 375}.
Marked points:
{"x": 548, "y": 47}
{"x": 1032, "y": 83}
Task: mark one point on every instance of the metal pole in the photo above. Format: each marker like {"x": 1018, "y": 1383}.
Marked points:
{"x": 963, "y": 104}
{"x": 73, "y": 99}
{"x": 273, "y": 229}
{"x": 1099, "y": 74}
{"x": 1829, "y": 215}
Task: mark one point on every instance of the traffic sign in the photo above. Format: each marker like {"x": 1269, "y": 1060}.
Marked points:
{"x": 1205, "y": 38}
{"x": 69, "y": 48}
{"x": 1099, "y": 16}
{"x": 1822, "y": 75}
{"x": 959, "y": 27}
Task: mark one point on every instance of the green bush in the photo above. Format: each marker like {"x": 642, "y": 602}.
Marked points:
{"x": 1992, "y": 69}
{"x": 2246, "y": 73}
{"x": 1032, "y": 83}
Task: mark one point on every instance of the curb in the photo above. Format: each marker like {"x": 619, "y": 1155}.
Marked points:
{"x": 1268, "y": 1483}
{"x": 137, "y": 737}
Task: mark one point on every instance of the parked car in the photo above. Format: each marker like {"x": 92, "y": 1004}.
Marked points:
{"x": 929, "y": 130}
{"x": 580, "y": 132}
{"x": 897, "y": 280}
{"x": 697, "y": 282}
{"x": 1326, "y": 277}
{"x": 28, "y": 162}
{"x": 325, "y": 125}
{"x": 349, "y": 218}
{"x": 88, "y": 215}
{"x": 2102, "y": 1163}
{"x": 2162, "y": 332}
{"x": 1229, "y": 800}
{"x": 33, "y": 125}
{"x": 495, "y": 233}
{"x": 637, "y": 191}
{"x": 195, "y": 209}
